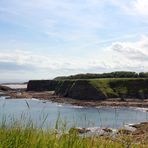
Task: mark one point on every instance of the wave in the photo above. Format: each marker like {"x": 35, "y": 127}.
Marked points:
{"x": 74, "y": 106}
{"x": 129, "y": 127}
{"x": 3, "y": 97}
{"x": 34, "y": 99}
{"x": 140, "y": 109}
{"x": 67, "y": 105}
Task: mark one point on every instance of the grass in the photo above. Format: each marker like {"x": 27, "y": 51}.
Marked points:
{"x": 28, "y": 136}
{"x": 104, "y": 87}
{"x": 37, "y": 138}
{"x": 118, "y": 87}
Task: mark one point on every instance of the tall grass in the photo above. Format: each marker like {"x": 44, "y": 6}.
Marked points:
{"x": 23, "y": 133}
{"x": 28, "y": 136}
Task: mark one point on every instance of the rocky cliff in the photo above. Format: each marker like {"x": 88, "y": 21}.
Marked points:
{"x": 80, "y": 89}
{"x": 104, "y": 88}
{"x": 96, "y": 89}
{"x": 42, "y": 85}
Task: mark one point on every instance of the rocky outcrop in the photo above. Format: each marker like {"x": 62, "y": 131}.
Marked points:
{"x": 94, "y": 89}
{"x": 4, "y": 88}
{"x": 42, "y": 85}
{"x": 80, "y": 89}
{"x": 79, "y": 130}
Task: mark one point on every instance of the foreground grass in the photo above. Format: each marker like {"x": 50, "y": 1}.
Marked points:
{"x": 30, "y": 137}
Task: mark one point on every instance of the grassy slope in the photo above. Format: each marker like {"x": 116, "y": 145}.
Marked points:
{"x": 116, "y": 87}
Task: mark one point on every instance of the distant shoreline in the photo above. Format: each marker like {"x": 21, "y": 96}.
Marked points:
{"x": 19, "y": 93}
{"x": 50, "y": 96}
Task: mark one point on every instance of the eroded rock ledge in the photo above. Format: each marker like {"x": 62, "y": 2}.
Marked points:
{"x": 94, "y": 89}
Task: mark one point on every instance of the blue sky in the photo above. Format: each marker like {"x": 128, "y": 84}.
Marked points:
{"x": 42, "y": 39}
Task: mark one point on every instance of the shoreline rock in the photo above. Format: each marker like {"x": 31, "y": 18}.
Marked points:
{"x": 50, "y": 96}
{"x": 140, "y": 131}
{"x": 5, "y": 88}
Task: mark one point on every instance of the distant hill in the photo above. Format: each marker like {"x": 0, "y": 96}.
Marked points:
{"x": 116, "y": 74}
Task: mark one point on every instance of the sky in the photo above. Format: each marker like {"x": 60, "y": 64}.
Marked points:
{"x": 42, "y": 39}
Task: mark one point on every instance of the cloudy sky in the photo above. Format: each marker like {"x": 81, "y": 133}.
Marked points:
{"x": 42, "y": 39}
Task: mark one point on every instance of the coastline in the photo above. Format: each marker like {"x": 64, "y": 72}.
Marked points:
{"x": 50, "y": 96}
{"x": 137, "y": 131}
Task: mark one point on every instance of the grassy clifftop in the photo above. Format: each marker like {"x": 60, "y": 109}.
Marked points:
{"x": 94, "y": 88}
{"x": 122, "y": 87}
{"x": 104, "y": 88}
{"x": 115, "y": 74}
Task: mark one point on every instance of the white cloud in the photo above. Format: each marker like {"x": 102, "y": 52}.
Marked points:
{"x": 132, "y": 49}
{"x": 28, "y": 65}
{"x": 118, "y": 56}
{"x": 141, "y": 7}
{"x": 137, "y": 8}
{"x": 45, "y": 61}
{"x": 133, "y": 55}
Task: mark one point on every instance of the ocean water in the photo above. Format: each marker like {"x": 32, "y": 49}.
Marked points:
{"x": 16, "y": 86}
{"x": 38, "y": 111}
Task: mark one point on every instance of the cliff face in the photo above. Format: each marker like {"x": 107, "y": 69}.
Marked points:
{"x": 79, "y": 90}
{"x": 42, "y": 85}
{"x": 94, "y": 88}
{"x": 104, "y": 88}
{"x": 133, "y": 88}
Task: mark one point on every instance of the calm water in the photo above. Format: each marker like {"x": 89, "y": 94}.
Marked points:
{"x": 73, "y": 115}
{"x": 16, "y": 86}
